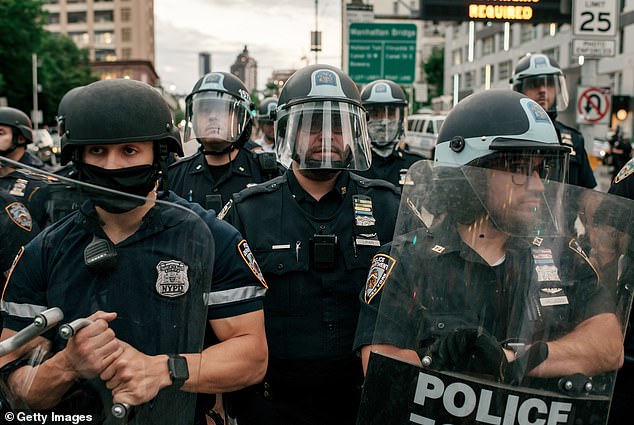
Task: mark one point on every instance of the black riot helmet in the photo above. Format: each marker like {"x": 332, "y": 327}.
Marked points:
{"x": 219, "y": 113}
{"x": 63, "y": 107}
{"x": 321, "y": 123}
{"x": 117, "y": 111}
{"x": 20, "y": 124}
{"x": 496, "y": 129}
{"x": 540, "y": 77}
{"x": 266, "y": 110}
{"x": 386, "y": 104}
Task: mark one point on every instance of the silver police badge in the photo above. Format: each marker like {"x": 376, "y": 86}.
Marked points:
{"x": 172, "y": 278}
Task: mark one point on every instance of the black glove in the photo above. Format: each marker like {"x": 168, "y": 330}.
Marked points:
{"x": 468, "y": 350}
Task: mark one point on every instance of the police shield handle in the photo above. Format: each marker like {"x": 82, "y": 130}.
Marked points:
{"x": 66, "y": 331}
{"x": 41, "y": 323}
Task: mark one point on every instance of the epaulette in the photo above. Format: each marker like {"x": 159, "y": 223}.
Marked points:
{"x": 576, "y": 247}
{"x": 266, "y": 187}
{"x": 374, "y": 183}
{"x": 184, "y": 160}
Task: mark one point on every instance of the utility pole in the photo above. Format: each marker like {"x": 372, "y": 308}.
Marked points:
{"x": 35, "y": 116}
{"x": 315, "y": 36}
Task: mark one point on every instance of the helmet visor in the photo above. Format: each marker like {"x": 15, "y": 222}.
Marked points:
{"x": 549, "y": 90}
{"x": 524, "y": 165}
{"x": 215, "y": 117}
{"x": 385, "y": 123}
{"x": 324, "y": 135}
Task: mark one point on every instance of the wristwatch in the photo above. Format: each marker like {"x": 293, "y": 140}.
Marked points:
{"x": 177, "y": 366}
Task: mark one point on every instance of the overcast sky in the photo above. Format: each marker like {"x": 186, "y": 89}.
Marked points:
{"x": 276, "y": 32}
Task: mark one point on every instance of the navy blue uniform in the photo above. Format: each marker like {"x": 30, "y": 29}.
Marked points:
{"x": 162, "y": 273}
{"x": 192, "y": 179}
{"x": 311, "y": 308}
{"x": 393, "y": 168}
{"x": 623, "y": 185}
{"x": 580, "y": 173}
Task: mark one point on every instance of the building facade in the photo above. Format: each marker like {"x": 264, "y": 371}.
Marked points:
{"x": 246, "y": 69}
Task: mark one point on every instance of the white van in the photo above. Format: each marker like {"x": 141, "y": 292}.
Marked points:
{"x": 422, "y": 132}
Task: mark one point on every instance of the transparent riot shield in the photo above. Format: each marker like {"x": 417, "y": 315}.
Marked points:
{"x": 151, "y": 266}
{"x": 503, "y": 300}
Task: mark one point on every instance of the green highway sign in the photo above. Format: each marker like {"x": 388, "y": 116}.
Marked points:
{"x": 382, "y": 51}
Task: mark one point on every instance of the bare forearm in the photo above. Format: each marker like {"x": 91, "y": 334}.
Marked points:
{"x": 405, "y": 355}
{"x": 43, "y": 386}
{"x": 228, "y": 366}
{"x": 595, "y": 346}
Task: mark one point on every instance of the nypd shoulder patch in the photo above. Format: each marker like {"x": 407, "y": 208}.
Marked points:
{"x": 382, "y": 266}
{"x": 20, "y": 215}
{"x": 247, "y": 256}
{"x": 172, "y": 280}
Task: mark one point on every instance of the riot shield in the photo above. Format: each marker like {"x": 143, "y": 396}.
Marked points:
{"x": 152, "y": 266}
{"x": 489, "y": 310}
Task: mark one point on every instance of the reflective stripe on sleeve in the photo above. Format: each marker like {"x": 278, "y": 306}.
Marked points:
{"x": 234, "y": 295}
{"x": 21, "y": 310}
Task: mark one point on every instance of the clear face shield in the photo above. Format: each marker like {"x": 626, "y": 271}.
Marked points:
{"x": 215, "y": 117}
{"x": 548, "y": 90}
{"x": 384, "y": 123}
{"x": 324, "y": 135}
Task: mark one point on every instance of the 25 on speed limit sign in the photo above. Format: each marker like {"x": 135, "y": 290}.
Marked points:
{"x": 595, "y": 18}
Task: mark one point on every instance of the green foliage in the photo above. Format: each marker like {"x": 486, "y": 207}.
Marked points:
{"x": 62, "y": 65}
{"x": 435, "y": 71}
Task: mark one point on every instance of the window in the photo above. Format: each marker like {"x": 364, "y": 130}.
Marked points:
{"x": 52, "y": 18}
{"x": 528, "y": 33}
{"x": 469, "y": 78}
{"x": 104, "y": 37}
{"x": 126, "y": 34}
{"x": 76, "y": 17}
{"x": 126, "y": 14}
{"x": 504, "y": 70}
{"x": 104, "y": 16}
{"x": 105, "y": 55}
{"x": 126, "y": 53}
{"x": 456, "y": 57}
{"x": 488, "y": 45}
{"x": 483, "y": 74}
{"x": 79, "y": 38}
{"x": 552, "y": 53}
{"x": 75, "y": 1}
{"x": 501, "y": 39}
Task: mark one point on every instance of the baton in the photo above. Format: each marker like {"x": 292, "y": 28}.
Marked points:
{"x": 41, "y": 323}
{"x": 67, "y": 330}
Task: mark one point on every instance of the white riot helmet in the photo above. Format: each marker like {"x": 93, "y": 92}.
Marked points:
{"x": 541, "y": 78}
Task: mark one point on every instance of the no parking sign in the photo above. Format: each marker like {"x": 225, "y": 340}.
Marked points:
{"x": 593, "y": 105}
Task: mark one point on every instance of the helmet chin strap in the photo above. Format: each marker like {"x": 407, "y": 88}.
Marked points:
{"x": 221, "y": 152}
{"x": 384, "y": 150}
{"x": 14, "y": 144}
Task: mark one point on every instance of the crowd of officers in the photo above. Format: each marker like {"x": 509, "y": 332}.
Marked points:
{"x": 313, "y": 200}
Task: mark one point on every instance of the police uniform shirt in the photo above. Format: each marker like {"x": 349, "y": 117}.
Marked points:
{"x": 51, "y": 271}
{"x": 580, "y": 172}
{"x": 451, "y": 286}
{"x": 192, "y": 179}
{"x": 311, "y": 312}
{"x": 393, "y": 168}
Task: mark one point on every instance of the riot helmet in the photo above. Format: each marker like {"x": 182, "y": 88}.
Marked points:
{"x": 386, "y": 104}
{"x": 321, "y": 123}
{"x": 540, "y": 78}
{"x": 219, "y": 113}
{"x": 20, "y": 126}
{"x": 64, "y": 107}
{"x": 498, "y": 130}
{"x": 266, "y": 110}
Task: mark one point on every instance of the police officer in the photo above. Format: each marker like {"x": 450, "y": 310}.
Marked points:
{"x": 219, "y": 117}
{"x": 540, "y": 78}
{"x": 16, "y": 229}
{"x": 481, "y": 274}
{"x": 266, "y": 124}
{"x": 386, "y": 104}
{"x": 112, "y": 259}
{"x": 16, "y": 131}
{"x": 314, "y": 231}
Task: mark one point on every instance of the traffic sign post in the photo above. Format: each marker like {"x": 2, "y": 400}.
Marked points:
{"x": 594, "y": 28}
{"x": 593, "y": 105}
{"x": 382, "y": 51}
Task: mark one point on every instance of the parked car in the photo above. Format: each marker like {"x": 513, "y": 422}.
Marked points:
{"x": 422, "y": 132}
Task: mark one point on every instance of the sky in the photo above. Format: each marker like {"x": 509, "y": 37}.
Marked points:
{"x": 276, "y": 33}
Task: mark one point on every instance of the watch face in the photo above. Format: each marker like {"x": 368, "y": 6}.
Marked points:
{"x": 179, "y": 372}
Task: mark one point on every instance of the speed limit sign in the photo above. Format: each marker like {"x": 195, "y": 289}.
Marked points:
{"x": 595, "y": 19}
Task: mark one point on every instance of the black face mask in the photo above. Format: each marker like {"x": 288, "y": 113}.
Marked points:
{"x": 139, "y": 180}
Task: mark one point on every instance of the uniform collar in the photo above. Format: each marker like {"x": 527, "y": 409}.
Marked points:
{"x": 341, "y": 185}
{"x": 239, "y": 165}
{"x": 31, "y": 160}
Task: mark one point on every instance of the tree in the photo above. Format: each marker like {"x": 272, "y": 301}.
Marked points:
{"x": 435, "y": 72}
{"x": 21, "y": 23}
{"x": 64, "y": 67}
